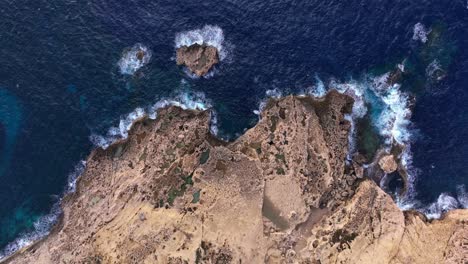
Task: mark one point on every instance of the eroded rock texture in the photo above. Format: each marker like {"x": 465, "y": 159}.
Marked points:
{"x": 199, "y": 59}
{"x": 281, "y": 193}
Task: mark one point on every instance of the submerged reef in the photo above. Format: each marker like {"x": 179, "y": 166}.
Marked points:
{"x": 284, "y": 192}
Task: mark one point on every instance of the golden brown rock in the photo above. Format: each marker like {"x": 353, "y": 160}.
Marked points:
{"x": 388, "y": 164}
{"x": 199, "y": 59}
{"x": 281, "y": 193}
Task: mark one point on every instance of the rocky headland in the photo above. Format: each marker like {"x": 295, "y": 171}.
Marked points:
{"x": 281, "y": 193}
{"x": 199, "y": 59}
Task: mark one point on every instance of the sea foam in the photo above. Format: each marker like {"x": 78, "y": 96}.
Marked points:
{"x": 134, "y": 58}
{"x": 211, "y": 35}
{"x": 390, "y": 112}
{"x": 420, "y": 32}
{"x": 444, "y": 203}
{"x": 43, "y": 225}
{"x": 184, "y": 100}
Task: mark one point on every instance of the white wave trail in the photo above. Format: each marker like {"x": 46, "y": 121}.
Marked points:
{"x": 443, "y": 204}
{"x": 195, "y": 101}
{"x": 43, "y": 225}
{"x": 420, "y": 32}
{"x": 211, "y": 35}
{"x": 134, "y": 58}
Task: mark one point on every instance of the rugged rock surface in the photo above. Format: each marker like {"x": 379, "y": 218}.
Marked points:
{"x": 281, "y": 193}
{"x": 198, "y": 58}
{"x": 388, "y": 164}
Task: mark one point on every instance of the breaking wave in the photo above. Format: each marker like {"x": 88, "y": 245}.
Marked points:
{"x": 185, "y": 100}
{"x": 389, "y": 106}
{"x": 271, "y": 93}
{"x": 389, "y": 109}
{"x": 445, "y": 203}
{"x": 390, "y": 112}
{"x": 43, "y": 225}
{"x": 420, "y": 32}
{"x": 134, "y": 58}
{"x": 211, "y": 35}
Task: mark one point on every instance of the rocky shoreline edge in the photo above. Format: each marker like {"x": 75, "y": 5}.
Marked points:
{"x": 282, "y": 192}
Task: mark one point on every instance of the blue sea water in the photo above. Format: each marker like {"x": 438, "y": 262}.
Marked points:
{"x": 61, "y": 84}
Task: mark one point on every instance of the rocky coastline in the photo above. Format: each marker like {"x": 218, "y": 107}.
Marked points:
{"x": 281, "y": 193}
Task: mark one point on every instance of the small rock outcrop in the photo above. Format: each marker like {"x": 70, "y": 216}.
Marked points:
{"x": 388, "y": 164}
{"x": 199, "y": 59}
{"x": 281, "y": 193}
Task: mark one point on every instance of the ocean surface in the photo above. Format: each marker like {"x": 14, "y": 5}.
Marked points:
{"x": 68, "y": 84}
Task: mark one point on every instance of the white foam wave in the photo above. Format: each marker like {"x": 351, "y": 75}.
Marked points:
{"x": 185, "y": 100}
{"x": 134, "y": 58}
{"x": 211, "y": 35}
{"x": 41, "y": 228}
{"x": 214, "y": 123}
{"x": 420, "y": 32}
{"x": 390, "y": 113}
{"x": 271, "y": 93}
{"x": 462, "y": 196}
{"x": 318, "y": 90}
{"x": 394, "y": 120}
{"x": 444, "y": 203}
{"x": 43, "y": 225}
{"x": 72, "y": 177}
{"x": 356, "y": 91}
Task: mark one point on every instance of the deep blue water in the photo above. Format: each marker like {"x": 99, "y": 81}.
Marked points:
{"x": 60, "y": 83}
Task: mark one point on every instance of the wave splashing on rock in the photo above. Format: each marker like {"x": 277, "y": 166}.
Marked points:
{"x": 184, "y": 100}
{"x": 43, "y": 225}
{"x": 389, "y": 106}
{"x": 134, "y": 58}
{"x": 210, "y": 35}
{"x": 444, "y": 203}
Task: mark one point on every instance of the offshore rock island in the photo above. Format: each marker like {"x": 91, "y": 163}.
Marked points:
{"x": 283, "y": 192}
{"x": 199, "y": 59}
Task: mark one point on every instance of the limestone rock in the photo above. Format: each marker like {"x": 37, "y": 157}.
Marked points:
{"x": 199, "y": 59}
{"x": 281, "y": 193}
{"x": 388, "y": 164}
